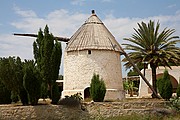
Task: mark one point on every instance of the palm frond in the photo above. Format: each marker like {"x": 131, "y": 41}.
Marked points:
{"x": 148, "y": 44}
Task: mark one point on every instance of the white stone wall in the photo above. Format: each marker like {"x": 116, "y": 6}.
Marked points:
{"x": 79, "y": 67}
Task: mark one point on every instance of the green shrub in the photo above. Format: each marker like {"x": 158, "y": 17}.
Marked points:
{"x": 5, "y": 94}
{"x": 164, "y": 86}
{"x": 23, "y": 96}
{"x": 160, "y": 85}
{"x": 130, "y": 87}
{"x": 77, "y": 96}
{"x": 14, "y": 97}
{"x": 32, "y": 82}
{"x": 178, "y": 90}
{"x": 44, "y": 90}
{"x": 55, "y": 94}
{"x": 175, "y": 103}
{"x": 11, "y": 74}
{"x": 97, "y": 88}
{"x": 72, "y": 101}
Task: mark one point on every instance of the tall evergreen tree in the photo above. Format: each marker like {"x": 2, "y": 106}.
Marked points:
{"x": 5, "y": 94}
{"x": 165, "y": 86}
{"x": 32, "y": 81}
{"x": 97, "y": 88}
{"x": 11, "y": 74}
{"x": 47, "y": 53}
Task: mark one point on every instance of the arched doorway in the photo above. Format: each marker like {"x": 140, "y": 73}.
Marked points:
{"x": 173, "y": 82}
{"x": 86, "y": 93}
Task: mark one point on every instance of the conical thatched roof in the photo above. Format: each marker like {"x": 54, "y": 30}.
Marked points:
{"x": 93, "y": 34}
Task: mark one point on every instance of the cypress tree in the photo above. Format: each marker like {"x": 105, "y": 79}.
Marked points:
{"x": 5, "y": 94}
{"x": 11, "y": 74}
{"x": 165, "y": 86}
{"x": 32, "y": 82}
{"x": 47, "y": 53}
{"x": 160, "y": 85}
{"x": 55, "y": 94}
{"x": 97, "y": 88}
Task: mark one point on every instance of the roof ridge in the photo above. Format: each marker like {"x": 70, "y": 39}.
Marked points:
{"x": 93, "y": 34}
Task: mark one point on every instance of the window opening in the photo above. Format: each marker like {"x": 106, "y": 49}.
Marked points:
{"x": 89, "y": 52}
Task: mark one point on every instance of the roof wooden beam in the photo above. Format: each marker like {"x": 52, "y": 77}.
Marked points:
{"x": 35, "y": 35}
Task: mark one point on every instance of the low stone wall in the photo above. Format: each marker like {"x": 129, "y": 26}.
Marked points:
{"x": 41, "y": 112}
{"x": 91, "y": 111}
{"x": 107, "y": 109}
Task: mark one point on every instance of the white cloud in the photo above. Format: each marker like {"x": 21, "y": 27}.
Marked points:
{"x": 172, "y": 5}
{"x": 16, "y": 46}
{"x": 60, "y": 22}
{"x": 78, "y": 2}
{"x": 123, "y": 27}
{"x": 106, "y": 0}
{"x": 24, "y": 13}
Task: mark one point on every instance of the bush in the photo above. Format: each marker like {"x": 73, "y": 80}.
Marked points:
{"x": 14, "y": 97}
{"x": 178, "y": 90}
{"x": 44, "y": 90}
{"x": 97, "y": 89}
{"x": 11, "y": 74}
{"x": 32, "y": 82}
{"x": 5, "y": 94}
{"x": 175, "y": 103}
{"x": 164, "y": 86}
{"x": 72, "y": 101}
{"x": 55, "y": 94}
{"x": 129, "y": 85}
{"x": 160, "y": 85}
{"x": 77, "y": 96}
{"x": 23, "y": 96}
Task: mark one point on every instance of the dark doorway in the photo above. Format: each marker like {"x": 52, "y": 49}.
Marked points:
{"x": 86, "y": 93}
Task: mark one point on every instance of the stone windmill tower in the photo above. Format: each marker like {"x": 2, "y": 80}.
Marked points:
{"x": 93, "y": 49}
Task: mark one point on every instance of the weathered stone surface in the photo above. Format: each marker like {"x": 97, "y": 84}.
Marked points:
{"x": 41, "y": 112}
{"x": 108, "y": 109}
{"x": 93, "y": 110}
{"x": 79, "y": 68}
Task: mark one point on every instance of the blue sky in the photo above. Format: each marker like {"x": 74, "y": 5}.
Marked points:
{"x": 64, "y": 17}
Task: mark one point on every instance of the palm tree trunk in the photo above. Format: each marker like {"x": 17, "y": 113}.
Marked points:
{"x": 139, "y": 72}
{"x": 153, "y": 67}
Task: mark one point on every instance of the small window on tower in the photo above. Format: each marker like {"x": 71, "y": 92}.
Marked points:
{"x": 89, "y": 52}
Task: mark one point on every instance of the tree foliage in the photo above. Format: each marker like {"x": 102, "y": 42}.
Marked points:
{"x": 97, "y": 88}
{"x": 11, "y": 75}
{"x": 72, "y": 101}
{"x": 178, "y": 90}
{"x": 165, "y": 86}
{"x": 133, "y": 72}
{"x": 32, "y": 81}
{"x": 47, "y": 55}
{"x": 5, "y": 94}
{"x": 55, "y": 94}
{"x": 130, "y": 86}
{"x": 156, "y": 48}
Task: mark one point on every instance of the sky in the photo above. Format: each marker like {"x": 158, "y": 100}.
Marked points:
{"x": 64, "y": 17}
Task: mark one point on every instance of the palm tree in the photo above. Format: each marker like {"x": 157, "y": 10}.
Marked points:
{"x": 148, "y": 45}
